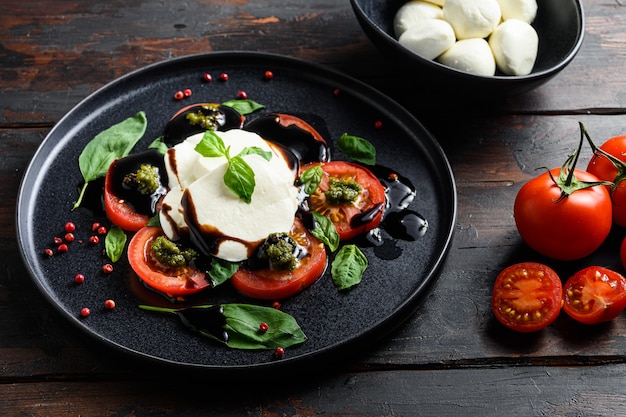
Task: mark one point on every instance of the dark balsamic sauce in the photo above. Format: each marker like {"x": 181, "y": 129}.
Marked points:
{"x": 303, "y": 144}
{"x": 178, "y": 128}
{"x": 209, "y": 320}
{"x": 120, "y": 168}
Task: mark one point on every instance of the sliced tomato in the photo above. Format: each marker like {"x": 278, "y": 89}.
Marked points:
{"x": 350, "y": 219}
{"x": 594, "y": 295}
{"x": 173, "y": 282}
{"x": 267, "y": 284}
{"x": 119, "y": 211}
{"x": 527, "y": 296}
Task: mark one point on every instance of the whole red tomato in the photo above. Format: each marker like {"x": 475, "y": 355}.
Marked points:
{"x": 558, "y": 219}
{"x": 613, "y": 170}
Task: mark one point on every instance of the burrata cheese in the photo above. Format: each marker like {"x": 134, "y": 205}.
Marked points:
{"x": 429, "y": 39}
{"x": 470, "y": 55}
{"x": 514, "y": 44}
{"x": 472, "y": 18}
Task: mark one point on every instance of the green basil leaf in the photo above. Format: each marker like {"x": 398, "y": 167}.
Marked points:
{"x": 325, "y": 231}
{"x": 255, "y": 150}
{"x": 112, "y": 143}
{"x": 239, "y": 178}
{"x": 242, "y": 326}
{"x": 243, "y": 107}
{"x": 211, "y": 145}
{"x": 311, "y": 179}
{"x": 359, "y": 149}
{"x": 114, "y": 243}
{"x": 221, "y": 271}
{"x": 348, "y": 267}
{"x": 159, "y": 145}
{"x": 154, "y": 221}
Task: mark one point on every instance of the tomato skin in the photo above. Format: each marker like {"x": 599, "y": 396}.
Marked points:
{"x": 171, "y": 282}
{"x": 267, "y": 284}
{"x": 119, "y": 212}
{"x": 605, "y": 170}
{"x": 344, "y": 216}
{"x": 594, "y": 295}
{"x": 527, "y": 297}
{"x": 569, "y": 229}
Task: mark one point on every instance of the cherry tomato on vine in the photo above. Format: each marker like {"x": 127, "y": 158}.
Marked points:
{"x": 268, "y": 284}
{"x": 563, "y": 224}
{"x": 527, "y": 297}
{"x": 605, "y": 169}
{"x": 350, "y": 218}
{"x": 594, "y": 295}
{"x": 167, "y": 280}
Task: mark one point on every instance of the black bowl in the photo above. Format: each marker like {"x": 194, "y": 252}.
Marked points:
{"x": 559, "y": 24}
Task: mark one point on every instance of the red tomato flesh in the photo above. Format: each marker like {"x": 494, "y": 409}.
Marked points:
{"x": 566, "y": 229}
{"x": 173, "y": 282}
{"x": 350, "y": 220}
{"x": 267, "y": 284}
{"x": 594, "y": 295}
{"x": 527, "y": 297}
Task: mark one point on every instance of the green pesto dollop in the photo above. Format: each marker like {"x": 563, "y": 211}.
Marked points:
{"x": 146, "y": 179}
{"x": 342, "y": 191}
{"x": 170, "y": 254}
{"x": 207, "y": 118}
{"x": 279, "y": 250}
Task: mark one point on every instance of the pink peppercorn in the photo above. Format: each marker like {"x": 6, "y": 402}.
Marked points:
{"x": 107, "y": 268}
{"x": 85, "y": 312}
{"x": 79, "y": 278}
{"x": 207, "y": 77}
{"x": 109, "y": 304}
{"x": 268, "y": 75}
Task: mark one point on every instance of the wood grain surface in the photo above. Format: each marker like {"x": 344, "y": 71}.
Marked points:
{"x": 451, "y": 358}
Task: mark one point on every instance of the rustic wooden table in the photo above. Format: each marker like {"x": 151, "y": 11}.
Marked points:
{"x": 451, "y": 357}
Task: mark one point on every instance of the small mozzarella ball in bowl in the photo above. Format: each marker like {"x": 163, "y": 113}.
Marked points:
{"x": 470, "y": 55}
{"x": 472, "y": 18}
{"x": 429, "y": 39}
{"x": 514, "y": 44}
{"x": 524, "y": 10}
{"x": 412, "y": 13}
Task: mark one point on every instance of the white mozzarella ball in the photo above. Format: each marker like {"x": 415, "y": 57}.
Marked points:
{"x": 524, "y": 10}
{"x": 514, "y": 44}
{"x": 429, "y": 39}
{"x": 472, "y": 18}
{"x": 470, "y": 55}
{"x": 412, "y": 13}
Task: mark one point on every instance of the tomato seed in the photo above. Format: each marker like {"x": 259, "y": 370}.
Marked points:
{"x": 207, "y": 77}
{"x": 79, "y": 278}
{"x": 263, "y": 327}
{"x": 109, "y": 304}
{"x": 268, "y": 75}
{"x": 70, "y": 227}
{"x": 107, "y": 268}
{"x": 94, "y": 240}
{"x": 85, "y": 312}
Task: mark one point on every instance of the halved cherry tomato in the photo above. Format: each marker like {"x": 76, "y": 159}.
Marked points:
{"x": 605, "y": 170}
{"x": 173, "y": 282}
{"x": 350, "y": 219}
{"x": 267, "y": 284}
{"x": 527, "y": 296}
{"x": 594, "y": 295}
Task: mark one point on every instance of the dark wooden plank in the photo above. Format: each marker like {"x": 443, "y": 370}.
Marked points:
{"x": 520, "y": 391}
{"x": 54, "y": 57}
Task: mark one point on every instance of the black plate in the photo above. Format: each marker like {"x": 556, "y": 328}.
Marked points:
{"x": 391, "y": 290}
